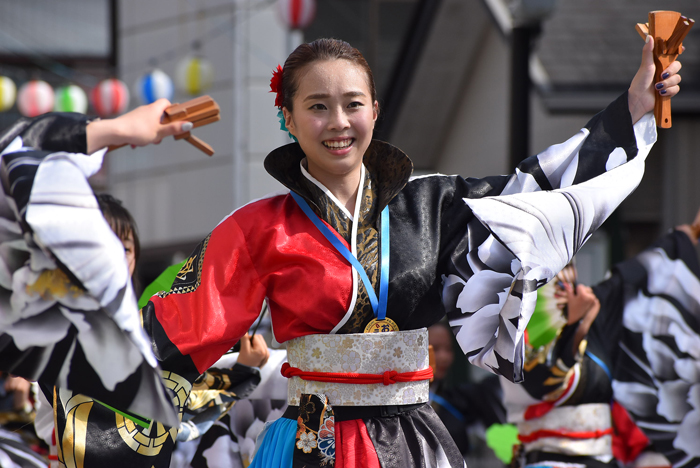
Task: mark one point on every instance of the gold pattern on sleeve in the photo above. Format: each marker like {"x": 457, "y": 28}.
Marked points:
{"x": 71, "y": 449}
{"x": 212, "y": 380}
{"x": 186, "y": 268}
{"x": 201, "y": 398}
{"x": 582, "y": 347}
{"x": 184, "y": 281}
{"x": 558, "y": 371}
{"x": 56, "y": 402}
{"x": 149, "y": 441}
{"x": 559, "y": 391}
{"x": 53, "y": 283}
{"x": 536, "y": 356}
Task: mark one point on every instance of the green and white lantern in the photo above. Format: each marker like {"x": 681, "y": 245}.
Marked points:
{"x": 71, "y": 98}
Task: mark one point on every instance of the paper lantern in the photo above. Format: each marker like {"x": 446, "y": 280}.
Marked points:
{"x": 8, "y": 93}
{"x": 153, "y": 86}
{"x": 110, "y": 97}
{"x": 297, "y": 14}
{"x": 35, "y": 98}
{"x": 194, "y": 75}
{"x": 71, "y": 98}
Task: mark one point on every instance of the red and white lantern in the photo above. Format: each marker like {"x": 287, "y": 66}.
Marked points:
{"x": 297, "y": 14}
{"x": 35, "y": 97}
{"x": 8, "y": 93}
{"x": 110, "y": 97}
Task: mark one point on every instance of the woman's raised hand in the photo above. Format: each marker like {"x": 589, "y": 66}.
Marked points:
{"x": 254, "y": 352}
{"x": 642, "y": 90}
{"x": 140, "y": 127}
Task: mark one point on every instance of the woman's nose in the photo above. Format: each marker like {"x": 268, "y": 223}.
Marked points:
{"x": 339, "y": 120}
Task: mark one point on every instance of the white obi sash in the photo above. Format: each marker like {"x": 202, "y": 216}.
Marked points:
{"x": 362, "y": 353}
{"x": 588, "y": 428}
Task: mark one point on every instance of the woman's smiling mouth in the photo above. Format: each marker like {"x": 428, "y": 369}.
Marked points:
{"x": 338, "y": 144}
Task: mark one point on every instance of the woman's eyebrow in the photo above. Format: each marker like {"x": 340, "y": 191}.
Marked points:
{"x": 326, "y": 96}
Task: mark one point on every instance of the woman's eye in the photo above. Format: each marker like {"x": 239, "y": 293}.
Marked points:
{"x": 355, "y": 104}
{"x": 318, "y": 107}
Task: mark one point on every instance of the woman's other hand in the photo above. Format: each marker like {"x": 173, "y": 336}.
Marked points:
{"x": 20, "y": 388}
{"x": 642, "y": 91}
{"x": 692, "y": 230}
{"x": 583, "y": 308}
{"x": 254, "y": 352}
{"x": 580, "y": 303}
{"x": 140, "y": 127}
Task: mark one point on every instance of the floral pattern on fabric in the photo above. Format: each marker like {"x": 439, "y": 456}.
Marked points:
{"x": 315, "y": 437}
{"x": 656, "y": 375}
{"x": 363, "y": 353}
{"x": 68, "y": 314}
{"x": 326, "y": 439}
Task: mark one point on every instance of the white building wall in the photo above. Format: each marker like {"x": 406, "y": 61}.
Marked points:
{"x": 478, "y": 142}
{"x": 176, "y": 193}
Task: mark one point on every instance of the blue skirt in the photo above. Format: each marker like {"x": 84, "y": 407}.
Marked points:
{"x": 276, "y": 445}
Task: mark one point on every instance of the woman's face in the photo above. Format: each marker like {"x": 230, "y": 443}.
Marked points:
{"x": 130, "y": 252}
{"x": 333, "y": 117}
{"x": 439, "y": 337}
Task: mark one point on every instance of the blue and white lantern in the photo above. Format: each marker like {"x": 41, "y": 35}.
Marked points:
{"x": 153, "y": 86}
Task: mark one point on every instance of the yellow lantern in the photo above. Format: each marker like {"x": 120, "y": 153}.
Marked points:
{"x": 194, "y": 75}
{"x": 8, "y": 93}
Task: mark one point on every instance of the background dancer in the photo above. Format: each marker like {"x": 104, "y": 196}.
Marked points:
{"x": 565, "y": 408}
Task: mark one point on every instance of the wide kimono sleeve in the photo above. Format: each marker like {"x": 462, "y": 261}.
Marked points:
{"x": 213, "y": 301}
{"x": 68, "y": 314}
{"x": 524, "y": 228}
{"x": 655, "y": 371}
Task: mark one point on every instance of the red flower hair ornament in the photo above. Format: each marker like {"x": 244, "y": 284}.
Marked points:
{"x": 276, "y": 85}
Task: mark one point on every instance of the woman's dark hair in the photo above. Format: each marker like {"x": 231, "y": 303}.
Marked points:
{"x": 119, "y": 219}
{"x": 320, "y": 49}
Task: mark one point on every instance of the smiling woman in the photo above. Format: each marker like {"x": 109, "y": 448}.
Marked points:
{"x": 354, "y": 248}
{"x": 329, "y": 103}
{"x": 333, "y": 120}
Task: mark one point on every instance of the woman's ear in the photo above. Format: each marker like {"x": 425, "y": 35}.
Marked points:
{"x": 288, "y": 121}
{"x": 375, "y": 109}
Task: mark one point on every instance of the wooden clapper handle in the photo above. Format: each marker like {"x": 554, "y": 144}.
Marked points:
{"x": 668, "y": 28}
{"x": 200, "y": 111}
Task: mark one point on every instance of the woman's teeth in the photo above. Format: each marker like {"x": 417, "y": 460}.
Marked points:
{"x": 338, "y": 144}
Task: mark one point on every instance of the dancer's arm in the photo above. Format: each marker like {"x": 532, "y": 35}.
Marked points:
{"x": 140, "y": 127}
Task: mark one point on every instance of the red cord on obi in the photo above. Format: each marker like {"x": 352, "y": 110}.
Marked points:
{"x": 527, "y": 438}
{"x": 387, "y": 378}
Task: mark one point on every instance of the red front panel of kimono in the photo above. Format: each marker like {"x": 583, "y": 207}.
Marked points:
{"x": 268, "y": 248}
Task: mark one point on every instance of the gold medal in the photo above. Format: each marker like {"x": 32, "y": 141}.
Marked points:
{"x": 381, "y": 326}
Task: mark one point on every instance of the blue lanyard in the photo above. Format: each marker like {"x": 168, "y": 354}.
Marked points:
{"x": 379, "y": 306}
{"x": 600, "y": 362}
{"x": 447, "y": 405}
